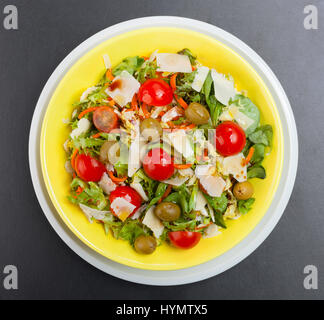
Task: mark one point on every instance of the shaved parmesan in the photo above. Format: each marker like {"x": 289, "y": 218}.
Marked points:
{"x": 188, "y": 172}
{"x": 138, "y": 212}
{"x": 83, "y": 126}
{"x": 156, "y": 112}
{"x": 214, "y": 186}
{"x": 211, "y": 231}
{"x": 176, "y": 181}
{"x": 68, "y": 167}
{"x": 181, "y": 143}
{"x": 106, "y": 184}
{"x": 201, "y": 204}
{"x": 236, "y": 166}
{"x": 126, "y": 87}
{"x": 153, "y": 56}
{"x": 85, "y": 94}
{"x": 106, "y": 60}
{"x": 204, "y": 170}
{"x": 122, "y": 208}
{"x": 200, "y": 77}
{"x": 173, "y": 62}
{"x": 93, "y": 213}
{"x": 153, "y": 222}
{"x": 134, "y": 161}
{"x": 171, "y": 114}
{"x": 138, "y": 187}
{"x": 224, "y": 88}
{"x": 233, "y": 113}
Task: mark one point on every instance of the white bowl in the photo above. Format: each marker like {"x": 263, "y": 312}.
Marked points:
{"x": 241, "y": 250}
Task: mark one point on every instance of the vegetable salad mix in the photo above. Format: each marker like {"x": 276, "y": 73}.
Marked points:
{"x": 163, "y": 148}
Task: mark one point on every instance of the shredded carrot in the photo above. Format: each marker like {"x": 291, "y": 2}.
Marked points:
{"x": 173, "y": 81}
{"x": 116, "y": 179}
{"x": 166, "y": 193}
{"x": 87, "y": 111}
{"x": 134, "y": 103}
{"x": 145, "y": 58}
{"x": 145, "y": 111}
{"x": 182, "y": 103}
{"x": 249, "y": 156}
{"x": 193, "y": 68}
{"x": 97, "y": 135}
{"x": 75, "y": 152}
{"x": 109, "y": 75}
{"x": 182, "y": 166}
{"x": 112, "y": 103}
{"x": 187, "y": 126}
{"x": 79, "y": 190}
{"x": 202, "y": 227}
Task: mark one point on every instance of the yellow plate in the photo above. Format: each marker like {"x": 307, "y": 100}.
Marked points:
{"x": 85, "y": 73}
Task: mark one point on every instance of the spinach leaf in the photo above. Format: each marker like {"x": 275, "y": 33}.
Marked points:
{"x": 262, "y": 135}
{"x": 158, "y": 194}
{"x": 219, "y": 204}
{"x": 179, "y": 198}
{"x": 258, "y": 155}
{"x": 244, "y": 206}
{"x": 247, "y": 107}
{"x": 256, "y": 171}
{"x": 130, "y": 64}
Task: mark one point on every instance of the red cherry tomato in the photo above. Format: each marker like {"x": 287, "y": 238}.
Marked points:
{"x": 127, "y": 193}
{"x": 184, "y": 239}
{"x": 155, "y": 92}
{"x": 105, "y": 119}
{"x": 230, "y": 138}
{"x": 158, "y": 164}
{"x": 89, "y": 168}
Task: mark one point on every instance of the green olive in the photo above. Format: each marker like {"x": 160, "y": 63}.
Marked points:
{"x": 167, "y": 211}
{"x": 243, "y": 190}
{"x": 110, "y": 152}
{"x": 145, "y": 244}
{"x": 197, "y": 113}
{"x": 151, "y": 129}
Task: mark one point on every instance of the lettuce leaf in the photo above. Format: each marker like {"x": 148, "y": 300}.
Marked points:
{"x": 130, "y": 64}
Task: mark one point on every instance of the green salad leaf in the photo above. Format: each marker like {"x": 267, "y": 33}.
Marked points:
{"x": 256, "y": 171}
{"x": 262, "y": 135}
{"x": 130, "y": 64}
{"x": 244, "y": 206}
{"x": 219, "y": 204}
{"x": 189, "y": 54}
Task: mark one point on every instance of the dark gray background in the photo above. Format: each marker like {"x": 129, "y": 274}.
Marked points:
{"x": 48, "y": 31}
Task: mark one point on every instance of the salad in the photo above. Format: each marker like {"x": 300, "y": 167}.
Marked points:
{"x": 162, "y": 149}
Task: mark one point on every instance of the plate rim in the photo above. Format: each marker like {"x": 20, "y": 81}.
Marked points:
{"x": 249, "y": 243}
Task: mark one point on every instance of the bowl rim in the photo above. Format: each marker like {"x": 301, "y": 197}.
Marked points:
{"x": 252, "y": 240}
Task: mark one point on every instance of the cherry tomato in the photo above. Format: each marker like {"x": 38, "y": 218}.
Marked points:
{"x": 158, "y": 164}
{"x": 184, "y": 239}
{"x": 127, "y": 193}
{"x": 89, "y": 168}
{"x": 105, "y": 119}
{"x": 155, "y": 92}
{"x": 230, "y": 138}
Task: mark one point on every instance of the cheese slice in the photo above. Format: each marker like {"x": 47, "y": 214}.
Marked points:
{"x": 83, "y": 126}
{"x": 201, "y": 204}
{"x": 224, "y": 88}
{"x": 173, "y": 62}
{"x": 171, "y": 114}
{"x": 176, "y": 181}
{"x": 106, "y": 184}
{"x": 213, "y": 185}
{"x": 134, "y": 161}
{"x": 211, "y": 231}
{"x": 92, "y": 213}
{"x": 126, "y": 87}
{"x": 106, "y": 60}
{"x": 153, "y": 222}
{"x": 139, "y": 188}
{"x": 122, "y": 208}
{"x": 233, "y": 113}
{"x": 180, "y": 141}
{"x": 235, "y": 165}
{"x": 200, "y": 77}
